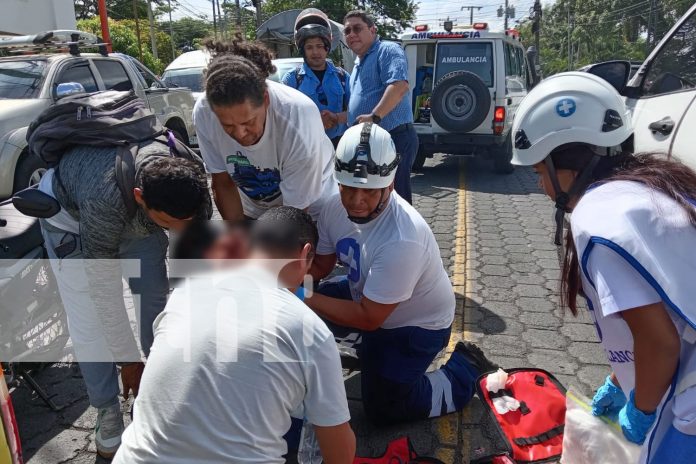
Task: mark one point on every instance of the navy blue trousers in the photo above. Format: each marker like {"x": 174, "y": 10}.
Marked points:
{"x": 394, "y": 384}
{"x": 406, "y": 143}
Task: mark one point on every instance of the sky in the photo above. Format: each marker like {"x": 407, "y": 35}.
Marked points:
{"x": 432, "y": 12}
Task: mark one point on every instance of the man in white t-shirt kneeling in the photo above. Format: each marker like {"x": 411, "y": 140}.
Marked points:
{"x": 235, "y": 357}
{"x": 263, "y": 142}
{"x": 397, "y": 292}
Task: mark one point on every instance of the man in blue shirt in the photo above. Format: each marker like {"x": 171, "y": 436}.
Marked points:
{"x": 379, "y": 91}
{"x": 318, "y": 78}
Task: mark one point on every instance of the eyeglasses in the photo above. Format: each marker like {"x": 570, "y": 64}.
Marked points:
{"x": 357, "y": 29}
{"x": 321, "y": 96}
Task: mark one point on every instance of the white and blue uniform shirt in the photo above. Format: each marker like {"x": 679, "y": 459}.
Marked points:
{"x": 391, "y": 259}
{"x": 636, "y": 247}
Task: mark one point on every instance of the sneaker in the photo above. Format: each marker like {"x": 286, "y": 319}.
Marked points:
{"x": 475, "y": 356}
{"x": 107, "y": 433}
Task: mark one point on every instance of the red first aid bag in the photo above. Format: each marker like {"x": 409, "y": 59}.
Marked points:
{"x": 534, "y": 432}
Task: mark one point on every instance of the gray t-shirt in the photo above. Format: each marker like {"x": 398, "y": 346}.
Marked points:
{"x": 233, "y": 358}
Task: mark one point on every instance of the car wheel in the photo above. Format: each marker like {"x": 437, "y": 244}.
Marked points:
{"x": 30, "y": 168}
{"x": 420, "y": 160}
{"x": 460, "y": 101}
{"x": 502, "y": 158}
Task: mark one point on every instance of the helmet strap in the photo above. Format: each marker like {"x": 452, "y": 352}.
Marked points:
{"x": 375, "y": 212}
{"x": 563, "y": 198}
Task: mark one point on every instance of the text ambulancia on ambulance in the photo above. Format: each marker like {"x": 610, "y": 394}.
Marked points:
{"x": 466, "y": 83}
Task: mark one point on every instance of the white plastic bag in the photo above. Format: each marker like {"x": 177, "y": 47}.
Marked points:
{"x": 588, "y": 439}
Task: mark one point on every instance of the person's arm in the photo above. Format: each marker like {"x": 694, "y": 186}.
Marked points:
{"x": 322, "y": 266}
{"x": 392, "y": 96}
{"x": 337, "y": 443}
{"x": 227, "y": 197}
{"x": 364, "y": 314}
{"x": 656, "y": 347}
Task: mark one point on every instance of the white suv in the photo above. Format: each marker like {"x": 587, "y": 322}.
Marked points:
{"x": 466, "y": 84}
{"x": 28, "y": 85}
{"x": 662, "y": 94}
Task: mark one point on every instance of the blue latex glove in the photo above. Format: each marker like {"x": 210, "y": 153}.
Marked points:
{"x": 300, "y": 293}
{"x": 634, "y": 422}
{"x": 608, "y": 400}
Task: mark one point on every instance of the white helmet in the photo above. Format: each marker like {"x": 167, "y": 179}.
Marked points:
{"x": 366, "y": 157}
{"x": 570, "y": 107}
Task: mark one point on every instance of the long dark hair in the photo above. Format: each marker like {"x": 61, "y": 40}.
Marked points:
{"x": 656, "y": 171}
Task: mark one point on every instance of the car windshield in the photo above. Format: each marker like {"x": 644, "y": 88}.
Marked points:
{"x": 475, "y": 57}
{"x": 191, "y": 78}
{"x": 283, "y": 68}
{"x": 21, "y": 79}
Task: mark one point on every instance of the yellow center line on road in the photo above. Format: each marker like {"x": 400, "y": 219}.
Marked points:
{"x": 446, "y": 430}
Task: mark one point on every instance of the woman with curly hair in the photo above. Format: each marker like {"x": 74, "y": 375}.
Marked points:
{"x": 263, "y": 142}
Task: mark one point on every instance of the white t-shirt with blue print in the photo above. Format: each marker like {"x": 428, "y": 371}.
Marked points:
{"x": 391, "y": 259}
{"x": 292, "y": 163}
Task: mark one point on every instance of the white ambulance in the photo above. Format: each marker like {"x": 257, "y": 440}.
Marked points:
{"x": 466, "y": 84}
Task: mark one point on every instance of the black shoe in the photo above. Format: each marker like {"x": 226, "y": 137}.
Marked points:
{"x": 475, "y": 356}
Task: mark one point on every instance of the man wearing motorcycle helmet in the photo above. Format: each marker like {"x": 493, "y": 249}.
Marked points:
{"x": 397, "y": 293}
{"x": 632, "y": 225}
{"x": 318, "y": 78}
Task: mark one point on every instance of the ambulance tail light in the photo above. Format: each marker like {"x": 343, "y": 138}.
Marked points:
{"x": 422, "y": 28}
{"x": 480, "y": 26}
{"x": 498, "y": 120}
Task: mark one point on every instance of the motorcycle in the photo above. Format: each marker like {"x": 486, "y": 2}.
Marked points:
{"x": 33, "y": 325}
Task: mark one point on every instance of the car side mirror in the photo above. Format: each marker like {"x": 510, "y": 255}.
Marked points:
{"x": 66, "y": 89}
{"x": 35, "y": 203}
{"x": 614, "y": 72}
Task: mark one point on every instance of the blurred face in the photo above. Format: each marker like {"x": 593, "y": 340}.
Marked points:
{"x": 360, "y": 202}
{"x": 359, "y": 36}
{"x": 315, "y": 53}
{"x": 234, "y": 244}
{"x": 244, "y": 122}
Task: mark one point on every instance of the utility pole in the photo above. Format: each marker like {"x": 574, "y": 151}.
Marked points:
{"x": 506, "y": 13}
{"x": 652, "y": 29}
{"x": 471, "y": 11}
{"x": 103, "y": 17}
{"x": 239, "y": 15}
{"x": 171, "y": 30}
{"x": 570, "y": 48}
{"x": 220, "y": 23}
{"x": 153, "y": 39}
{"x": 214, "y": 20}
{"x": 536, "y": 27}
{"x": 137, "y": 30}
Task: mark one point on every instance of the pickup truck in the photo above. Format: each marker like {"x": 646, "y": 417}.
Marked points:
{"x": 28, "y": 85}
{"x": 662, "y": 93}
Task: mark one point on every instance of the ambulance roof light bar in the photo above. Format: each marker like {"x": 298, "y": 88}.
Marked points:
{"x": 422, "y": 28}
{"x": 480, "y": 26}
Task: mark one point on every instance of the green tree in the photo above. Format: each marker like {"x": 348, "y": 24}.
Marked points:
{"x": 579, "y": 32}
{"x": 120, "y": 9}
{"x": 392, "y": 16}
{"x": 187, "y": 30}
{"x": 124, "y": 40}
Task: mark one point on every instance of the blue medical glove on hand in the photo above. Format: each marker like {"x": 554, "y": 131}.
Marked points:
{"x": 608, "y": 400}
{"x": 634, "y": 422}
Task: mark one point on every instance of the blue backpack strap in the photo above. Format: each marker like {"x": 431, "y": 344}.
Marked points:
{"x": 342, "y": 78}
{"x": 298, "y": 78}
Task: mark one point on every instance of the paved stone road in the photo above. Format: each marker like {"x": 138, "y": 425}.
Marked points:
{"x": 495, "y": 237}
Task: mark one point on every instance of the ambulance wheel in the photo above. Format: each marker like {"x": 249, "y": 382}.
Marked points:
{"x": 503, "y": 157}
{"x": 460, "y": 101}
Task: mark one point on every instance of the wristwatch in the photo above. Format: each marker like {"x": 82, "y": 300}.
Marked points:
{"x": 376, "y": 119}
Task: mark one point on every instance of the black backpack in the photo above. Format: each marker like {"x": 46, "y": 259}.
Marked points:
{"x": 103, "y": 119}
{"x": 341, "y": 77}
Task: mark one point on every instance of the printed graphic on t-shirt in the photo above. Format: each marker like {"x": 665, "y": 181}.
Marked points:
{"x": 348, "y": 253}
{"x": 257, "y": 184}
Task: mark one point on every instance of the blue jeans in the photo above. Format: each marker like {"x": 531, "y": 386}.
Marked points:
{"x": 84, "y": 325}
{"x": 406, "y": 143}
{"x": 394, "y": 383}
